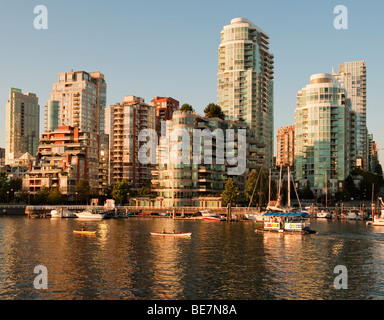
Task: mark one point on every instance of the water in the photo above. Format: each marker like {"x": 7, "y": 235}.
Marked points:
{"x": 220, "y": 261}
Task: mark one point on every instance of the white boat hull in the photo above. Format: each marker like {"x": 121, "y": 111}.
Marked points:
{"x": 214, "y": 219}
{"x": 353, "y": 216}
{"x": 62, "y": 214}
{"x": 90, "y": 216}
{"x": 378, "y": 223}
{"x": 254, "y": 217}
{"x": 323, "y": 215}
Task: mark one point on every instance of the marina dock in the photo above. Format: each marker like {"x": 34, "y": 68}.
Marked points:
{"x": 232, "y": 213}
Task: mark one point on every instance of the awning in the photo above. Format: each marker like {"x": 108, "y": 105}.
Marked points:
{"x": 286, "y": 214}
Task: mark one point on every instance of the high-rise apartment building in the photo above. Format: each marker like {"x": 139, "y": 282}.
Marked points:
{"x": 186, "y": 183}
{"x": 285, "y": 146}
{"x": 324, "y": 135}
{"x": 373, "y": 155}
{"x": 164, "y": 110}
{"x": 353, "y": 77}
{"x": 245, "y": 79}
{"x": 22, "y": 125}
{"x": 78, "y": 99}
{"x": 123, "y": 123}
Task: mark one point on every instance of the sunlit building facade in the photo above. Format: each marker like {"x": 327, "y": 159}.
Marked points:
{"x": 353, "y": 77}
{"x": 78, "y": 99}
{"x": 189, "y": 183}
{"x": 246, "y": 79}
{"x": 324, "y": 135}
{"x": 22, "y": 123}
{"x": 123, "y": 124}
{"x": 64, "y": 157}
{"x": 285, "y": 146}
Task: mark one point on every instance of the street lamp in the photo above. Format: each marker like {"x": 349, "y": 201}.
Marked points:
{"x": 76, "y": 193}
{"x": 127, "y": 198}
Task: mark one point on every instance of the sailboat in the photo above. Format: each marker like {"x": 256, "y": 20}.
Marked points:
{"x": 325, "y": 213}
{"x": 276, "y": 206}
{"x": 253, "y": 216}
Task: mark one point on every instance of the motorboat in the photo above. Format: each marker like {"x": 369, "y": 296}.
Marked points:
{"x": 354, "y": 215}
{"x": 98, "y": 213}
{"x": 254, "y": 217}
{"x": 90, "y": 214}
{"x": 211, "y": 216}
{"x": 324, "y": 214}
{"x": 62, "y": 213}
{"x": 378, "y": 220}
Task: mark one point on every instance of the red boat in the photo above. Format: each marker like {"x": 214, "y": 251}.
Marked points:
{"x": 210, "y": 216}
{"x": 172, "y": 234}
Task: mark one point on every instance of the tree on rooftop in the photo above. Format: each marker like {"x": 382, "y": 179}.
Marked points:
{"x": 186, "y": 107}
{"x": 214, "y": 111}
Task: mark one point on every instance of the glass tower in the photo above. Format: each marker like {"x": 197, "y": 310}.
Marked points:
{"x": 245, "y": 79}
{"x": 324, "y": 134}
{"x": 353, "y": 77}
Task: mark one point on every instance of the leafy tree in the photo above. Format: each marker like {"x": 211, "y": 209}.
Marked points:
{"x": 120, "y": 190}
{"x": 250, "y": 187}
{"x": 16, "y": 184}
{"x": 42, "y": 196}
{"x": 55, "y": 196}
{"x": 214, "y": 111}
{"x": 230, "y": 193}
{"x": 306, "y": 193}
{"x": 186, "y": 107}
{"x": 145, "y": 192}
{"x": 350, "y": 187}
{"x": 3, "y": 180}
{"x": 83, "y": 190}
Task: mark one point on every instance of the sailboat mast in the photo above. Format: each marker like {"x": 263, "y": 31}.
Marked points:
{"x": 326, "y": 190}
{"x": 269, "y": 189}
{"x": 289, "y": 189}
{"x": 279, "y": 189}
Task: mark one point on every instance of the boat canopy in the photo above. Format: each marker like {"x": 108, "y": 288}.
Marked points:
{"x": 286, "y": 214}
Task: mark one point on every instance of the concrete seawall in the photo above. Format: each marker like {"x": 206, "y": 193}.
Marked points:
{"x": 12, "y": 210}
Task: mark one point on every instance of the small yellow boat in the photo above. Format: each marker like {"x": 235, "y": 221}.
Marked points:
{"x": 84, "y": 232}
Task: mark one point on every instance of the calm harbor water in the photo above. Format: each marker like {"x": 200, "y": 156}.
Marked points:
{"x": 220, "y": 261}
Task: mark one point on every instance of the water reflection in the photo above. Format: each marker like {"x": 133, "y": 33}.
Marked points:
{"x": 219, "y": 261}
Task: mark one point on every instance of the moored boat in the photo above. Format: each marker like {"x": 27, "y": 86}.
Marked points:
{"x": 62, "y": 213}
{"x": 323, "y": 214}
{"x": 90, "y": 215}
{"x": 378, "y": 220}
{"x": 211, "y": 216}
{"x": 254, "y": 217}
{"x": 354, "y": 214}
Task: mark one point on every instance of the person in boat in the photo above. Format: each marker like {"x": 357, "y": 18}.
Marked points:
{"x": 83, "y": 228}
{"x": 163, "y": 230}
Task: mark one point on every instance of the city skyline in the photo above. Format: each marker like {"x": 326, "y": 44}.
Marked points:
{"x": 178, "y": 57}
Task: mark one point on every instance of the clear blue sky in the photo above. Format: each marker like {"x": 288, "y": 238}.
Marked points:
{"x": 170, "y": 48}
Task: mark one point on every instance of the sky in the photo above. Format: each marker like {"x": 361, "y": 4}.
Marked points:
{"x": 151, "y": 48}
